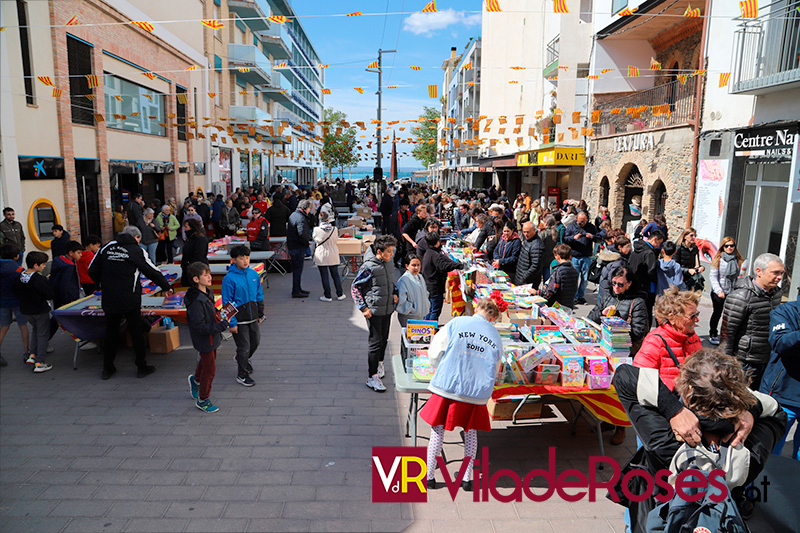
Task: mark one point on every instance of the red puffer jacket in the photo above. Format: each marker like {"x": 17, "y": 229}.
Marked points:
{"x": 653, "y": 353}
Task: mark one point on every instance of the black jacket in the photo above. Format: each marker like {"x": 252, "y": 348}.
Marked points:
{"x": 116, "y": 267}
{"x": 387, "y": 205}
{"x": 581, "y": 245}
{"x": 629, "y": 305}
{"x": 529, "y": 264}
{"x": 278, "y": 217}
{"x": 204, "y": 211}
{"x": 204, "y": 325}
{"x": 483, "y": 234}
{"x": 298, "y": 231}
{"x": 33, "y": 291}
{"x": 435, "y": 266}
{"x": 745, "y": 321}
{"x": 414, "y": 226}
{"x": 58, "y": 246}
{"x": 195, "y": 249}
{"x": 611, "y": 259}
{"x": 643, "y": 262}
{"x": 686, "y": 258}
{"x": 782, "y": 376}
{"x": 562, "y": 285}
{"x": 65, "y": 281}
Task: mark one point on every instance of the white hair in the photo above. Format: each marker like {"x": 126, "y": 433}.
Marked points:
{"x": 762, "y": 261}
{"x": 133, "y": 231}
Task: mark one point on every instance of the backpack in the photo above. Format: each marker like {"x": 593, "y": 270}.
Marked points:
{"x": 596, "y": 270}
{"x": 703, "y": 516}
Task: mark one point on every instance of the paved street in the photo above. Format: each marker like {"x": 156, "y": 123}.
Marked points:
{"x": 290, "y": 454}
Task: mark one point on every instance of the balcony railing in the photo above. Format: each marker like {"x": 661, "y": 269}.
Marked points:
{"x": 298, "y": 72}
{"x": 302, "y": 50}
{"x": 276, "y": 41}
{"x": 551, "y": 52}
{"x": 767, "y": 50}
{"x": 242, "y": 117}
{"x": 254, "y": 13}
{"x": 248, "y": 56}
{"x": 670, "y": 104}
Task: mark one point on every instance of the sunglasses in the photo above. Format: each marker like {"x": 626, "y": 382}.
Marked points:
{"x": 729, "y": 245}
{"x": 694, "y": 316}
{"x": 617, "y": 284}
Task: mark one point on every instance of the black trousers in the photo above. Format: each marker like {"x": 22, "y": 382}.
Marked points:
{"x": 378, "y": 339}
{"x": 718, "y": 304}
{"x": 113, "y": 321}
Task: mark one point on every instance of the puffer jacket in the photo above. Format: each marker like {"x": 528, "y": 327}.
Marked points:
{"x": 653, "y": 353}
{"x": 529, "y": 264}
{"x": 562, "y": 285}
{"x": 204, "y": 324}
{"x": 374, "y": 285}
{"x": 507, "y": 253}
{"x": 611, "y": 260}
{"x": 630, "y": 306}
{"x": 298, "y": 231}
{"x": 242, "y": 287}
{"x": 326, "y": 252}
{"x": 745, "y": 321}
{"x": 782, "y": 376}
{"x": 643, "y": 262}
{"x": 687, "y": 258}
{"x": 65, "y": 281}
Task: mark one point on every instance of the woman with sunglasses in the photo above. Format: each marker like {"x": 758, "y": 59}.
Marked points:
{"x": 624, "y": 301}
{"x": 725, "y": 269}
{"x": 688, "y": 257}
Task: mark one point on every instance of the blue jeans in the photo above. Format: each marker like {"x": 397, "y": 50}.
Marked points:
{"x": 545, "y": 274}
{"x": 150, "y": 250}
{"x": 582, "y": 265}
{"x": 297, "y": 255}
{"x": 792, "y": 412}
{"x": 436, "y": 301}
{"x": 326, "y": 284}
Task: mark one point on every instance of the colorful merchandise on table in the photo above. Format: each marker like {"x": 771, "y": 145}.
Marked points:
{"x": 598, "y": 376}
{"x": 546, "y": 374}
{"x": 423, "y": 370}
{"x": 572, "y": 374}
{"x": 421, "y": 331}
{"x": 148, "y": 287}
{"x": 174, "y": 302}
{"x": 616, "y": 336}
{"x": 548, "y": 335}
{"x": 508, "y": 331}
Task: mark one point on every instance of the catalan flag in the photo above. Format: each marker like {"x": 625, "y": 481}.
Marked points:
{"x": 98, "y": 117}
{"x": 278, "y": 19}
{"x": 326, "y": 65}
{"x": 46, "y": 80}
{"x": 182, "y": 98}
{"x": 691, "y": 12}
{"x": 433, "y": 91}
{"x": 213, "y": 24}
{"x": 281, "y": 65}
{"x": 148, "y": 96}
{"x": 414, "y": 67}
{"x": 212, "y": 95}
{"x": 616, "y": 111}
{"x": 698, "y": 73}
{"x": 326, "y": 91}
{"x": 749, "y": 9}
{"x": 606, "y": 70}
{"x": 146, "y": 26}
{"x": 354, "y": 14}
{"x": 626, "y": 12}
{"x": 493, "y": 6}
{"x": 633, "y": 72}
{"x": 118, "y": 97}
{"x": 392, "y": 86}
{"x": 654, "y": 65}
{"x": 593, "y": 77}
{"x": 513, "y": 81}
{"x": 682, "y": 78}
{"x": 359, "y": 89}
{"x": 430, "y": 7}
{"x": 596, "y": 116}
{"x": 149, "y": 75}
{"x": 560, "y": 6}
{"x": 89, "y": 97}
{"x": 73, "y": 21}
{"x": 244, "y": 69}
{"x": 468, "y": 66}
{"x": 374, "y": 64}
{"x": 724, "y": 77}
{"x": 56, "y": 92}
{"x": 193, "y": 67}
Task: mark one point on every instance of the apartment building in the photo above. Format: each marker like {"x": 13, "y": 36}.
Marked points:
{"x": 97, "y": 111}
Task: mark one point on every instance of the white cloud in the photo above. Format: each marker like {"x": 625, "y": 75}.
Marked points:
{"x": 428, "y": 23}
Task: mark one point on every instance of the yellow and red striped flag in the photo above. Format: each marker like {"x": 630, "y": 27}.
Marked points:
{"x": 698, "y": 73}
{"x": 517, "y": 68}
{"x": 89, "y": 97}
{"x": 606, "y": 70}
{"x": 212, "y": 95}
{"x": 682, "y": 78}
{"x": 354, "y": 14}
{"x": 146, "y": 26}
{"x": 626, "y": 12}
{"x": 2, "y": 28}
{"x": 392, "y": 86}
{"x": 414, "y": 67}
{"x": 193, "y": 67}
{"x": 359, "y": 89}
{"x": 633, "y": 72}
{"x": 596, "y": 115}
{"x": 616, "y": 111}
{"x": 278, "y": 19}
{"x": 374, "y": 64}
{"x": 691, "y": 12}
{"x": 213, "y": 24}
{"x": 323, "y": 66}
{"x": 98, "y": 117}
{"x": 513, "y": 81}
{"x": 93, "y": 80}
{"x": 149, "y": 75}
{"x": 430, "y": 7}
{"x": 244, "y": 69}
{"x": 56, "y": 92}
{"x": 654, "y": 65}
{"x": 281, "y": 65}
{"x": 182, "y": 98}
{"x": 749, "y": 9}
{"x": 468, "y": 66}
{"x": 46, "y": 80}
{"x": 433, "y": 91}
{"x": 493, "y": 6}
{"x": 724, "y": 77}
{"x": 593, "y": 77}
{"x": 560, "y": 6}
{"x": 118, "y": 97}
{"x": 326, "y": 91}
{"x": 73, "y": 21}
{"x": 148, "y": 96}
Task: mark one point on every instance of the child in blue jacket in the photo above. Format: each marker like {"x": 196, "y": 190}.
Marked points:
{"x": 669, "y": 271}
{"x": 242, "y": 287}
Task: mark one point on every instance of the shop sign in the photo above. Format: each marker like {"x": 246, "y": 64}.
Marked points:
{"x": 561, "y": 156}
{"x": 634, "y": 143}
{"x": 526, "y": 159}
{"x": 765, "y": 142}
{"x": 41, "y": 168}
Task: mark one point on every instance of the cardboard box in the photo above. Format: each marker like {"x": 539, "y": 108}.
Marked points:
{"x": 349, "y": 246}
{"x": 504, "y": 409}
{"x": 522, "y": 317}
{"x": 364, "y": 212}
{"x": 355, "y": 221}
{"x": 368, "y": 240}
{"x": 164, "y": 340}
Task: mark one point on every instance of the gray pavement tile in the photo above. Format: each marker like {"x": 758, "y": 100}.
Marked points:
{"x": 95, "y": 463}
{"x": 274, "y": 450}
{"x": 81, "y": 508}
{"x": 131, "y": 451}
{"x": 122, "y": 492}
{"x": 281, "y": 493}
{"x": 253, "y": 510}
{"x": 68, "y": 492}
{"x": 116, "y": 477}
{"x": 175, "y": 493}
{"x": 312, "y": 510}
{"x": 459, "y": 526}
{"x": 232, "y": 525}
{"x": 156, "y": 525}
{"x": 22, "y": 491}
{"x": 208, "y": 440}
{"x": 57, "y": 478}
{"x": 178, "y": 452}
{"x": 277, "y": 524}
{"x": 296, "y": 465}
{"x": 262, "y": 478}
{"x": 152, "y": 440}
{"x": 207, "y": 477}
{"x": 27, "y": 508}
{"x": 13, "y": 462}
{"x": 189, "y": 464}
{"x": 227, "y": 451}
{"x": 195, "y": 510}
{"x": 238, "y": 430}
{"x": 80, "y": 525}
{"x": 244, "y": 464}
{"x": 144, "y": 463}
{"x": 24, "y": 439}
{"x": 340, "y": 525}
{"x": 235, "y": 493}
{"x": 48, "y": 463}
{"x": 158, "y": 478}
{"x": 28, "y": 524}
{"x": 513, "y": 526}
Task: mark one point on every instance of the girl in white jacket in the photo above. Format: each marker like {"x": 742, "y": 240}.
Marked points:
{"x": 326, "y": 257}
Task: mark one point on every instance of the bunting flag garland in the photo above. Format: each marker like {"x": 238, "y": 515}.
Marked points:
{"x": 278, "y": 19}
{"x": 149, "y": 75}
{"x": 46, "y": 80}
{"x": 749, "y": 9}
{"x": 374, "y": 64}
{"x": 682, "y": 78}
{"x": 56, "y": 92}
{"x": 118, "y": 97}
{"x": 513, "y": 81}
{"x": 627, "y": 12}
{"x": 359, "y": 89}
{"x": 414, "y": 67}
{"x": 323, "y": 66}
{"x": 605, "y": 70}
{"x": 193, "y": 67}
{"x": 430, "y": 7}
{"x": 148, "y": 96}
{"x": 244, "y": 69}
{"x": 593, "y": 77}
{"x": 326, "y": 91}
{"x": 724, "y": 77}
{"x": 596, "y": 116}
{"x": 89, "y": 97}
{"x": 146, "y": 26}
{"x": 493, "y": 6}
{"x": 98, "y": 117}
{"x": 517, "y": 68}
{"x": 691, "y": 12}
{"x": 93, "y": 80}
{"x": 654, "y": 65}
{"x": 468, "y": 66}
{"x": 392, "y": 86}
{"x": 354, "y": 14}
{"x": 73, "y": 21}
{"x": 698, "y": 73}
{"x": 2, "y": 28}
{"x": 282, "y": 64}
{"x": 560, "y": 6}
{"x": 433, "y": 91}
{"x": 182, "y": 98}
{"x": 213, "y": 24}
{"x": 576, "y": 117}
{"x": 212, "y": 95}
{"x": 616, "y": 111}
{"x": 633, "y": 72}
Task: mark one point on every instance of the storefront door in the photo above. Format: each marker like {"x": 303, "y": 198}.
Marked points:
{"x": 88, "y": 205}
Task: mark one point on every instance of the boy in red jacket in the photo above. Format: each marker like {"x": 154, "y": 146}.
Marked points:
{"x": 88, "y": 284}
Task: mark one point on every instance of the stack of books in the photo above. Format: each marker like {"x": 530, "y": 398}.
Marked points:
{"x": 616, "y": 337}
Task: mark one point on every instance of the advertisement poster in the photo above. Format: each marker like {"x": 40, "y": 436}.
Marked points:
{"x": 712, "y": 185}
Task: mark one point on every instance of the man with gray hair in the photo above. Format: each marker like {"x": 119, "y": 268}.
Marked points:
{"x": 746, "y": 314}
{"x": 116, "y": 267}
{"x": 298, "y": 237}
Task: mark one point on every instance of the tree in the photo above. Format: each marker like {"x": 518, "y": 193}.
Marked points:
{"x": 425, "y": 147}
{"x": 339, "y": 141}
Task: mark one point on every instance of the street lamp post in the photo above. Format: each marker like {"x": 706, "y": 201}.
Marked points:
{"x": 380, "y": 93}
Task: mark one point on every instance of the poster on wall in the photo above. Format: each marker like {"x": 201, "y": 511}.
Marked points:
{"x": 712, "y": 186}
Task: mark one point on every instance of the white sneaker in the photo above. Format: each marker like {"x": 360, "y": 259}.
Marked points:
{"x": 714, "y": 340}
{"x": 324, "y": 299}
{"x": 342, "y": 297}
{"x": 381, "y": 370}
{"x": 376, "y": 384}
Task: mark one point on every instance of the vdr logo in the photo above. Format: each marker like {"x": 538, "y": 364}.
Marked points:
{"x": 398, "y": 474}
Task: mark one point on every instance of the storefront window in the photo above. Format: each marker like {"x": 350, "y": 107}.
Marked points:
{"x": 137, "y": 109}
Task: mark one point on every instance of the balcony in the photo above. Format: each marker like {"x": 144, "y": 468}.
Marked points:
{"x": 242, "y": 117}
{"x": 254, "y": 13}
{"x": 551, "y": 57}
{"x": 298, "y": 72}
{"x": 277, "y": 43}
{"x": 299, "y": 46}
{"x": 299, "y": 100}
{"x": 620, "y": 115}
{"x": 249, "y": 56}
{"x": 767, "y": 51}
{"x": 280, "y": 90}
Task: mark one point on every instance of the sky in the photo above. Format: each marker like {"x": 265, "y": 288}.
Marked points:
{"x": 349, "y": 44}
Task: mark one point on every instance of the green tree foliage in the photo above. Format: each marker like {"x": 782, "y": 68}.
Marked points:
{"x": 339, "y": 141}
{"x": 424, "y": 150}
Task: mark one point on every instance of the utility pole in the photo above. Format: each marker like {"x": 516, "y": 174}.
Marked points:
{"x": 380, "y": 93}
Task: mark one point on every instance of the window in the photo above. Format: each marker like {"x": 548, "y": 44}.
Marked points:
{"x": 79, "y": 57}
{"x": 617, "y": 5}
{"x": 583, "y": 70}
{"x": 137, "y": 109}
{"x": 180, "y": 111}
{"x": 218, "y": 85}
{"x": 25, "y": 49}
{"x": 217, "y": 33}
{"x": 586, "y": 10}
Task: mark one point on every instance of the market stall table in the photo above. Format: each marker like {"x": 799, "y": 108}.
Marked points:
{"x": 281, "y": 253}
{"x": 225, "y": 257}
